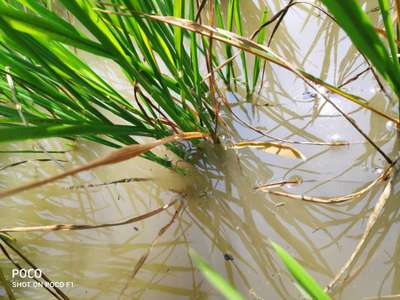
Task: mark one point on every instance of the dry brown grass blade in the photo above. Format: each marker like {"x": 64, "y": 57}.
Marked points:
{"x": 397, "y": 14}
{"x": 113, "y": 157}
{"x": 144, "y": 257}
{"x": 371, "y": 222}
{"x": 142, "y": 260}
{"x": 273, "y": 148}
{"x": 382, "y": 32}
{"x": 67, "y": 227}
{"x": 355, "y": 77}
{"x": 201, "y": 7}
{"x": 211, "y": 80}
{"x": 123, "y": 180}
{"x": 219, "y": 67}
{"x": 6, "y": 286}
{"x": 329, "y": 200}
{"x": 57, "y": 293}
{"x": 16, "y": 264}
{"x": 15, "y": 164}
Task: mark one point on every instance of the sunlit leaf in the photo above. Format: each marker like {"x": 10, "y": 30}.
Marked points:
{"x": 302, "y": 277}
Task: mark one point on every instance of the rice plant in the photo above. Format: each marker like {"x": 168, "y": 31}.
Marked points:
{"x": 351, "y": 17}
{"x": 47, "y": 90}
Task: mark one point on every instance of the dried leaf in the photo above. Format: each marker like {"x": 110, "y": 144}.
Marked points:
{"x": 273, "y": 148}
{"x": 328, "y": 200}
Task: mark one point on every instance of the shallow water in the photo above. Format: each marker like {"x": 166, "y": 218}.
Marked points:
{"x": 224, "y": 214}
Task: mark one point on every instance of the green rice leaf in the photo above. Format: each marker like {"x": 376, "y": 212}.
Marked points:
{"x": 64, "y": 130}
{"x": 49, "y": 29}
{"x": 302, "y": 277}
{"x": 356, "y": 23}
{"x": 215, "y": 278}
{"x": 260, "y": 40}
{"x": 387, "y": 20}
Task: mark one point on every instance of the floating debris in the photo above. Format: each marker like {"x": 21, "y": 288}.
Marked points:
{"x": 254, "y": 295}
{"x": 337, "y": 140}
{"x": 228, "y": 257}
{"x": 307, "y": 95}
{"x": 273, "y": 148}
{"x": 293, "y": 181}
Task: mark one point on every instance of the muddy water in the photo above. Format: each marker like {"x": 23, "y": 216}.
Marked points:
{"x": 225, "y": 218}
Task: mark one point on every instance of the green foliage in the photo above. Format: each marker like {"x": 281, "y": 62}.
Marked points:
{"x": 359, "y": 28}
{"x": 260, "y": 40}
{"x": 239, "y": 29}
{"x": 215, "y": 278}
{"x": 47, "y": 90}
{"x": 229, "y": 26}
{"x": 387, "y": 20}
{"x": 307, "y": 283}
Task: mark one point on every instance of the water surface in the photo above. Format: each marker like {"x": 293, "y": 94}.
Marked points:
{"x": 224, "y": 217}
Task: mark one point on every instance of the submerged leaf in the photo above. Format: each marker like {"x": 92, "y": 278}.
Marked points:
{"x": 273, "y": 148}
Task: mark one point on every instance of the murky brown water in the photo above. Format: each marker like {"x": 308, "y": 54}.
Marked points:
{"x": 224, "y": 215}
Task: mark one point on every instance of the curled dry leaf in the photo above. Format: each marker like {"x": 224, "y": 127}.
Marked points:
{"x": 273, "y": 148}
{"x": 329, "y": 200}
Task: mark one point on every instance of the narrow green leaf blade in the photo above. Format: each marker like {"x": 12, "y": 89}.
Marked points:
{"x": 302, "y": 277}
{"x": 356, "y": 23}
{"x": 214, "y": 278}
{"x": 65, "y": 130}
{"x": 260, "y": 40}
